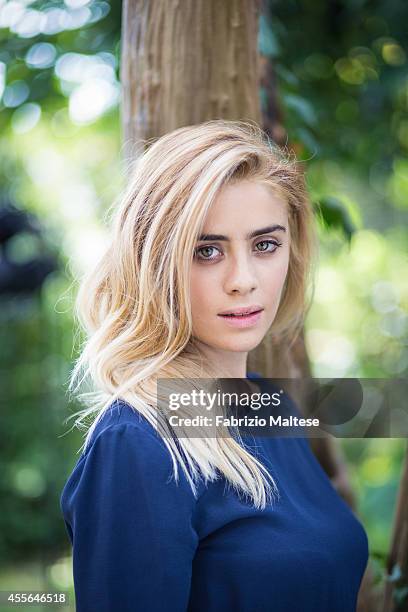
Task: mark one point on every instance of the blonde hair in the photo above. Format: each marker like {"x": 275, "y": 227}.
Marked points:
{"x": 135, "y": 304}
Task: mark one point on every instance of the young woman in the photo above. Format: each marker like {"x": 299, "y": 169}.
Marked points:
{"x": 215, "y": 222}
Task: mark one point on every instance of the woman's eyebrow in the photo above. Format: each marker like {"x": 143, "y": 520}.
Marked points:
{"x": 258, "y": 232}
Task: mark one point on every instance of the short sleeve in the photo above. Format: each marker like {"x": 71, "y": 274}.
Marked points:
{"x": 131, "y": 525}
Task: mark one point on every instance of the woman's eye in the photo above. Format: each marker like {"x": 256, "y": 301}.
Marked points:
{"x": 205, "y": 252}
{"x": 268, "y": 243}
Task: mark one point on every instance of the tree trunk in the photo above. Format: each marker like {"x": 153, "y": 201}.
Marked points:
{"x": 187, "y": 62}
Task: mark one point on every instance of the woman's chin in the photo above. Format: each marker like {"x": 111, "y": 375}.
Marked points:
{"x": 240, "y": 345}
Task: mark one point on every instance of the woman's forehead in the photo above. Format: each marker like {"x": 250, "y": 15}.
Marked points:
{"x": 245, "y": 205}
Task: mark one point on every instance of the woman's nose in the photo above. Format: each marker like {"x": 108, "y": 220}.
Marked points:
{"x": 240, "y": 275}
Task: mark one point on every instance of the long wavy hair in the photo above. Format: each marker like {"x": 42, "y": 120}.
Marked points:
{"x": 134, "y": 305}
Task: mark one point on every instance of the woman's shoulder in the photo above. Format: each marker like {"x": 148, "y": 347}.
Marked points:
{"x": 120, "y": 413}
{"x": 121, "y": 439}
{"x": 123, "y": 424}
{"x": 127, "y": 460}
{"x": 124, "y": 446}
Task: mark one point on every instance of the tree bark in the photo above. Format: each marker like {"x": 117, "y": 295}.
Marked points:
{"x": 187, "y": 62}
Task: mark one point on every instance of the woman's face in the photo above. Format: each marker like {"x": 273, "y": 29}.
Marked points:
{"x": 240, "y": 261}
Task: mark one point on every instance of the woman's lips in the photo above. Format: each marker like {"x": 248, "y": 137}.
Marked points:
{"x": 242, "y": 320}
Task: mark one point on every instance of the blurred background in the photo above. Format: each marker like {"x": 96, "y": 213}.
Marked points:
{"x": 342, "y": 85}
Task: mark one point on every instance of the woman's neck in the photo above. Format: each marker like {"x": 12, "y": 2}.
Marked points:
{"x": 227, "y": 364}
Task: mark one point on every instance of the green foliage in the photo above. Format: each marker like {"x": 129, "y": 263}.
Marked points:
{"x": 35, "y": 452}
{"x": 41, "y": 45}
{"x": 335, "y": 215}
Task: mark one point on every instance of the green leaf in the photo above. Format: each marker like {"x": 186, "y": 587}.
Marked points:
{"x": 400, "y": 594}
{"x": 396, "y": 574}
{"x": 335, "y": 215}
{"x": 301, "y": 107}
{"x": 308, "y": 140}
{"x": 267, "y": 42}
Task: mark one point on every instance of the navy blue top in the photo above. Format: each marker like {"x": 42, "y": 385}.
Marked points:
{"x": 142, "y": 542}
